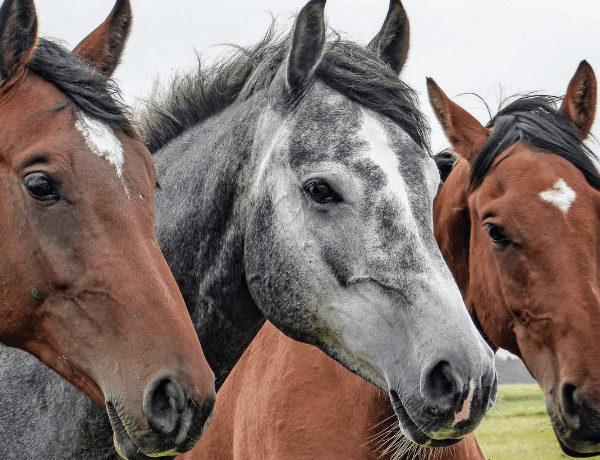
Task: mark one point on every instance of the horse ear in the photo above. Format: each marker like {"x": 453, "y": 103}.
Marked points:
{"x": 104, "y": 46}
{"x": 580, "y": 100}
{"x": 393, "y": 40}
{"x": 308, "y": 43}
{"x": 464, "y": 132}
{"x": 18, "y": 36}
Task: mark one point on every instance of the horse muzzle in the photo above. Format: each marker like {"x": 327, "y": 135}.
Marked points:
{"x": 578, "y": 426}
{"x": 175, "y": 421}
{"x": 448, "y": 407}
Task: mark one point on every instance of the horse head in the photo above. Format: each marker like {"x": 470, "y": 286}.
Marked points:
{"x": 518, "y": 222}
{"x": 339, "y": 244}
{"x": 85, "y": 287}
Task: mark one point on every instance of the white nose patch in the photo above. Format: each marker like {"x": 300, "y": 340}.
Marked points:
{"x": 466, "y": 408}
{"x": 561, "y": 195}
{"x": 101, "y": 140}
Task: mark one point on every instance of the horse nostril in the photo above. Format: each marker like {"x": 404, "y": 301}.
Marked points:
{"x": 442, "y": 387}
{"x": 571, "y": 406}
{"x": 175, "y": 394}
{"x": 164, "y": 403}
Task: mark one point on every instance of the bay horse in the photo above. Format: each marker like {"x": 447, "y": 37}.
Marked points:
{"x": 85, "y": 288}
{"x": 518, "y": 222}
{"x": 287, "y": 400}
{"x": 296, "y": 186}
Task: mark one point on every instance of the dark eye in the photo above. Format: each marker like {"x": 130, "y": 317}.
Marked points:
{"x": 497, "y": 235}
{"x": 41, "y": 187}
{"x": 321, "y": 192}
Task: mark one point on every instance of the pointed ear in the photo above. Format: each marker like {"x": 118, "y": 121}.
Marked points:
{"x": 580, "y": 100}
{"x": 104, "y": 46}
{"x": 18, "y": 36}
{"x": 308, "y": 43}
{"x": 464, "y": 132}
{"x": 393, "y": 40}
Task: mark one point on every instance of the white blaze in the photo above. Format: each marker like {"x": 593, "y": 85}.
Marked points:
{"x": 380, "y": 152}
{"x": 101, "y": 140}
{"x": 561, "y": 195}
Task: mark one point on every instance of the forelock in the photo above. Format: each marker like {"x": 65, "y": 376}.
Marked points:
{"x": 535, "y": 121}
{"x": 80, "y": 84}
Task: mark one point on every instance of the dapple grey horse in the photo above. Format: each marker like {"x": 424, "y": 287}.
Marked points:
{"x": 295, "y": 185}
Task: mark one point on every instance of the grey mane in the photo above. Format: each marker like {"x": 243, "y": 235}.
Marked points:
{"x": 352, "y": 70}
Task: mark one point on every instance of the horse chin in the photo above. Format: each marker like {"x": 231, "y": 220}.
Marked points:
{"x": 580, "y": 441}
{"x": 129, "y": 449}
{"x": 124, "y": 445}
{"x": 573, "y": 453}
{"x": 573, "y": 446}
{"x": 412, "y": 432}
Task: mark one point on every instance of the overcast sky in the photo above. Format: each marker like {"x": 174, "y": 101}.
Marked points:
{"x": 491, "y": 48}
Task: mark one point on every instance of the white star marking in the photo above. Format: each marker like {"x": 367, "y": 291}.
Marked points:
{"x": 560, "y": 195}
{"x": 101, "y": 140}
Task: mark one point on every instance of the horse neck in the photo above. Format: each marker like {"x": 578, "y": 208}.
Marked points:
{"x": 452, "y": 225}
{"x": 200, "y": 229}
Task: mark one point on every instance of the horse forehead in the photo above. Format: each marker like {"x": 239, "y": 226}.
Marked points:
{"x": 325, "y": 129}
{"x": 560, "y": 195}
{"x": 102, "y": 140}
{"x": 552, "y": 179}
{"x": 332, "y": 128}
{"x": 407, "y": 169}
{"x": 379, "y": 149}
{"x": 410, "y": 178}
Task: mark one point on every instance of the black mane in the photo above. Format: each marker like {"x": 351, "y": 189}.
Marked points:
{"x": 535, "y": 121}
{"x": 350, "y": 69}
{"x": 79, "y": 82}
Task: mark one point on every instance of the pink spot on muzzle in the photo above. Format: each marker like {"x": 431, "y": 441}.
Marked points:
{"x": 466, "y": 408}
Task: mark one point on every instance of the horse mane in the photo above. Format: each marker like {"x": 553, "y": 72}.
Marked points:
{"x": 81, "y": 85}
{"x": 535, "y": 121}
{"x": 352, "y": 70}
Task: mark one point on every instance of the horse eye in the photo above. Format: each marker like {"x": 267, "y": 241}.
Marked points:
{"x": 497, "y": 235}
{"x": 41, "y": 187}
{"x": 321, "y": 192}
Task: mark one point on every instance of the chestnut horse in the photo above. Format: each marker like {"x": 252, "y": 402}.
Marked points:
{"x": 284, "y": 399}
{"x": 85, "y": 287}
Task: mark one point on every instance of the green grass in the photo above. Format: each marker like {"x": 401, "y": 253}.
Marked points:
{"x": 518, "y": 427}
